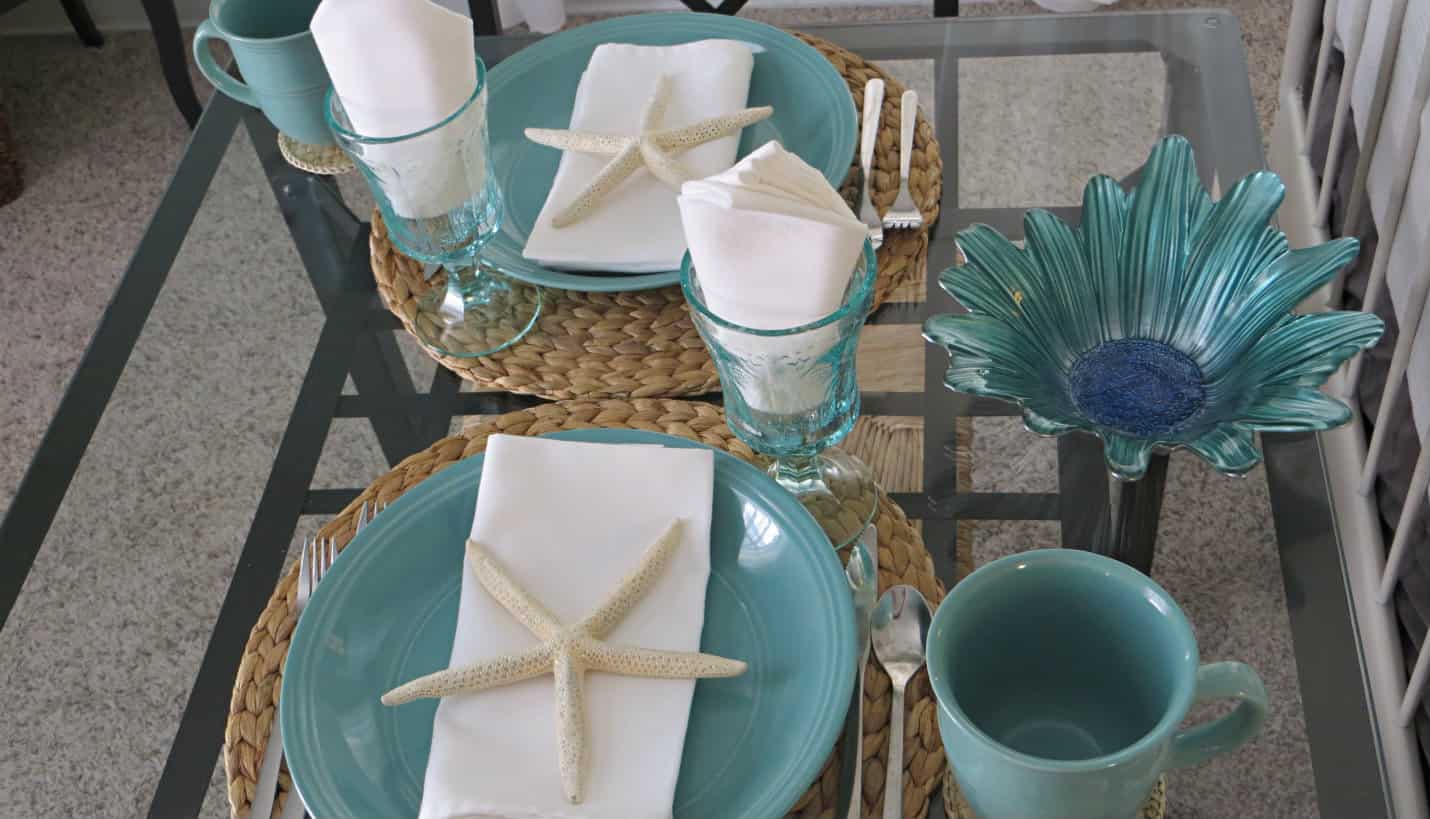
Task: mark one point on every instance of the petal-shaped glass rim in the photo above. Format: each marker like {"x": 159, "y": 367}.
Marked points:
{"x": 853, "y": 300}
{"x": 1228, "y": 288}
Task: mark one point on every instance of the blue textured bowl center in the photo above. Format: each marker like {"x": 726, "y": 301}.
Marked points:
{"x": 1136, "y": 386}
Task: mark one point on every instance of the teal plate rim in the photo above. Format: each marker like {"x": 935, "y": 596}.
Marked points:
{"x": 676, "y": 23}
{"x": 801, "y": 771}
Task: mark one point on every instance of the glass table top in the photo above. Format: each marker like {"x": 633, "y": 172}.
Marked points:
{"x": 246, "y": 380}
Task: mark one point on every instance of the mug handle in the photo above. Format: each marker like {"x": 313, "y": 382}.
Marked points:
{"x": 221, "y": 79}
{"x": 1217, "y": 681}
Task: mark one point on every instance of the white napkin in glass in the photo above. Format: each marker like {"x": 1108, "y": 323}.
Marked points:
{"x": 774, "y": 246}
{"x": 400, "y": 66}
{"x": 773, "y": 242}
{"x": 637, "y": 229}
{"x": 568, "y": 520}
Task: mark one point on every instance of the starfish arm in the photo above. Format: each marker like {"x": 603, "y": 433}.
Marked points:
{"x": 634, "y": 585}
{"x": 665, "y": 168}
{"x": 679, "y": 140}
{"x": 526, "y": 609}
{"x": 625, "y": 164}
{"x": 654, "y": 111}
{"x": 650, "y": 662}
{"x": 492, "y": 673}
{"x": 585, "y": 142}
{"x": 571, "y": 723}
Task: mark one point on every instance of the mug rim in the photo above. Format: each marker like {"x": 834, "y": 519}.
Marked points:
{"x": 851, "y": 302}
{"x": 1076, "y": 559}
{"x": 213, "y": 20}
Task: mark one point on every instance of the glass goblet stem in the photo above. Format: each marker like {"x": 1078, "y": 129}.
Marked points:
{"x": 797, "y": 472}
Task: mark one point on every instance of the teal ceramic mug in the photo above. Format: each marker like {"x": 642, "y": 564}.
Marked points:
{"x": 1062, "y": 678}
{"x": 282, "y": 71}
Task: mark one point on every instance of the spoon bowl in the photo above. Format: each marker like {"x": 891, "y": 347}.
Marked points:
{"x": 900, "y": 632}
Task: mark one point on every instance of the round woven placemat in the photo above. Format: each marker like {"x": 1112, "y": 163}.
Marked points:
{"x": 643, "y": 344}
{"x": 327, "y": 160}
{"x": 902, "y": 559}
{"x": 956, "y": 807}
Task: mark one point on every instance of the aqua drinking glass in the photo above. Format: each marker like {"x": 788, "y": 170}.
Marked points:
{"x": 441, "y": 204}
{"x": 792, "y": 395}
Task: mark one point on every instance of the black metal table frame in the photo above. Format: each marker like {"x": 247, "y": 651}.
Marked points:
{"x": 486, "y": 18}
{"x": 357, "y": 339}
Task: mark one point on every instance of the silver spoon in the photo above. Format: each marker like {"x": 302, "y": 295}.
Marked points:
{"x": 900, "y": 632}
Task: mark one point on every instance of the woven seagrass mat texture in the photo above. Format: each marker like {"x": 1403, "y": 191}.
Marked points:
{"x": 955, "y": 806}
{"x": 324, "y": 160}
{"x": 902, "y": 559}
{"x": 643, "y": 344}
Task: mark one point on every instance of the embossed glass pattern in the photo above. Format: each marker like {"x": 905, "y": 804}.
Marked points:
{"x": 792, "y": 394}
{"x": 441, "y": 204}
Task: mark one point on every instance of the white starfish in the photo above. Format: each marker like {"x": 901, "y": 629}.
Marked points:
{"x": 652, "y": 148}
{"x": 568, "y": 652}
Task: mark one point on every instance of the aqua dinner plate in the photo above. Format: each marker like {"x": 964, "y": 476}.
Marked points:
{"x": 385, "y": 614}
{"x": 534, "y": 88}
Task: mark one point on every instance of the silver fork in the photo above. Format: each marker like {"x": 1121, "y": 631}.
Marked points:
{"x": 905, "y": 215}
{"x": 314, "y": 561}
{"x": 318, "y": 556}
{"x": 367, "y": 513}
{"x": 873, "y": 103}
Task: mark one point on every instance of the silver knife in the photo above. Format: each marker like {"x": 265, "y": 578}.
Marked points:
{"x": 267, "y": 790}
{"x": 863, "y": 574}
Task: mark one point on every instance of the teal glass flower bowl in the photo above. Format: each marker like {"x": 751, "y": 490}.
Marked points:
{"x": 1165, "y": 320}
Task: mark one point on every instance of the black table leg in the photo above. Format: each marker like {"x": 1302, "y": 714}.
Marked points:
{"x": 378, "y": 371}
{"x": 321, "y": 225}
{"x": 945, "y": 8}
{"x": 201, "y": 729}
{"x": 83, "y": 24}
{"x": 335, "y": 257}
{"x": 173, "y": 57}
{"x": 42, "y": 490}
{"x": 1106, "y": 516}
{"x": 486, "y": 20}
{"x": 1130, "y": 528}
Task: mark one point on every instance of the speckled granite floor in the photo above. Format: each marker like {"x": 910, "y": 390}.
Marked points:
{"x": 94, "y": 682}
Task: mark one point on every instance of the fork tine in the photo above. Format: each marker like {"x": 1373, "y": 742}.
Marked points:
{"x": 315, "y": 565}
{"x": 330, "y": 553}
{"x": 364, "y": 516}
{"x": 305, "y": 565}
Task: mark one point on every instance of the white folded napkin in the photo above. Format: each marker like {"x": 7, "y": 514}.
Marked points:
{"x": 400, "y": 66}
{"x": 774, "y": 246}
{"x": 568, "y": 520}
{"x": 773, "y": 242}
{"x": 637, "y": 229}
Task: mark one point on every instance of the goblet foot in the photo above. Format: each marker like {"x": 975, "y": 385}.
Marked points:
{"x": 836, "y": 487}
{"x": 480, "y": 311}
